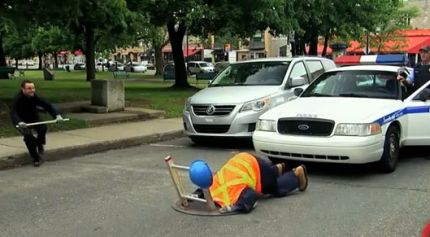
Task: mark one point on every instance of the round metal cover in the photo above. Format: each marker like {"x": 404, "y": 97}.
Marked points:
{"x": 198, "y": 209}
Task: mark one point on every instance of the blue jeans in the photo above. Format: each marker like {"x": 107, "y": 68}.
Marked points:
{"x": 273, "y": 184}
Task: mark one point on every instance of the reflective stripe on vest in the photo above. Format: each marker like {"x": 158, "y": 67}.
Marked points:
{"x": 244, "y": 168}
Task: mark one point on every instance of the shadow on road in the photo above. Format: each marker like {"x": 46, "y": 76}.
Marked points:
{"x": 225, "y": 143}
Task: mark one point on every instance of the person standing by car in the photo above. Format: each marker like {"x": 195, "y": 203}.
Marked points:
{"x": 24, "y": 109}
{"x": 421, "y": 73}
{"x": 245, "y": 178}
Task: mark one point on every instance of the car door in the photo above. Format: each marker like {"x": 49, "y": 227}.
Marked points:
{"x": 298, "y": 69}
{"x": 315, "y": 68}
{"x": 192, "y": 68}
{"x": 418, "y": 117}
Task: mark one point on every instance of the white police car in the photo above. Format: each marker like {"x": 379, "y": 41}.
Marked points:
{"x": 355, "y": 114}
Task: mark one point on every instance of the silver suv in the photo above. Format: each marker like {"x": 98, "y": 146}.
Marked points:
{"x": 239, "y": 94}
{"x": 195, "y": 67}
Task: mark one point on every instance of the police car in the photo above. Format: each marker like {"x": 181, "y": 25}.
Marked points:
{"x": 353, "y": 114}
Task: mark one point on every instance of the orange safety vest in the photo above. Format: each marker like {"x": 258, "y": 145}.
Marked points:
{"x": 238, "y": 173}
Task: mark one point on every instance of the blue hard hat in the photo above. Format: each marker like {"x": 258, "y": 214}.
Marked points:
{"x": 200, "y": 174}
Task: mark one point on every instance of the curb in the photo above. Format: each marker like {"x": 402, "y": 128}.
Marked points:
{"x": 22, "y": 159}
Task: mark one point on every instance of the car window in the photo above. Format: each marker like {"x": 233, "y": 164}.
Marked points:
{"x": 204, "y": 65}
{"x": 315, "y": 68}
{"x": 299, "y": 70}
{"x": 328, "y": 64}
{"x": 372, "y": 84}
{"x": 424, "y": 94}
{"x": 252, "y": 73}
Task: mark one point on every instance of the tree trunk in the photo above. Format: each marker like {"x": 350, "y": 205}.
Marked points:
{"x": 89, "y": 52}
{"x": 40, "y": 55}
{"x": 176, "y": 37}
{"x": 55, "y": 60}
{"x": 159, "y": 64}
{"x": 326, "y": 38}
{"x": 2, "y": 56}
{"x": 313, "y": 44}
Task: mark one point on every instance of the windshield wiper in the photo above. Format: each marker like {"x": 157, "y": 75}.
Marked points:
{"x": 353, "y": 95}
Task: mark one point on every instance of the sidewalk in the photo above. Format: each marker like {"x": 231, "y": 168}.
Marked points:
{"x": 66, "y": 144}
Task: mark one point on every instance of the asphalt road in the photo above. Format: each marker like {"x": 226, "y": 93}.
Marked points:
{"x": 129, "y": 193}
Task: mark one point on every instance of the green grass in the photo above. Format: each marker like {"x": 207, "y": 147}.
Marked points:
{"x": 141, "y": 90}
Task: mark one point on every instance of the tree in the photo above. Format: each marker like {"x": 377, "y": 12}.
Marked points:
{"x": 390, "y": 30}
{"x": 17, "y": 44}
{"x": 90, "y": 22}
{"x": 9, "y": 18}
{"x": 329, "y": 18}
{"x": 201, "y": 17}
{"x": 50, "y": 39}
{"x": 93, "y": 20}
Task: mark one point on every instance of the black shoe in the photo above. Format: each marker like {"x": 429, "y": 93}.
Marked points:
{"x": 36, "y": 163}
{"x": 40, "y": 149}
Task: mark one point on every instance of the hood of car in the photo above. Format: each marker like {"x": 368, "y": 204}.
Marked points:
{"x": 350, "y": 110}
{"x": 232, "y": 94}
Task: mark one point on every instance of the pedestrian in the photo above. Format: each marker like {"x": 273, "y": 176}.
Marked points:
{"x": 244, "y": 179}
{"x": 24, "y": 109}
{"x": 420, "y": 74}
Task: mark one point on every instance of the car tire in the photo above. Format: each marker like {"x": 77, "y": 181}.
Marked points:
{"x": 390, "y": 156}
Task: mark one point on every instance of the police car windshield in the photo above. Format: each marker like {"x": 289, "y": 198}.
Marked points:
{"x": 251, "y": 74}
{"x": 355, "y": 83}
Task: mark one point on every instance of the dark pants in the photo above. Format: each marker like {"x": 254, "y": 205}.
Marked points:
{"x": 32, "y": 141}
{"x": 273, "y": 184}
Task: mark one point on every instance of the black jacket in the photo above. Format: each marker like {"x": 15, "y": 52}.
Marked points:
{"x": 25, "y": 109}
{"x": 421, "y": 75}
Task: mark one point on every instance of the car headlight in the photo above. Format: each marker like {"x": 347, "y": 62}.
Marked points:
{"x": 266, "y": 125}
{"x": 357, "y": 129}
{"x": 187, "y": 106}
{"x": 256, "y": 105}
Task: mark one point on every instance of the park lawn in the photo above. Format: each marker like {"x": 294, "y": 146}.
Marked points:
{"x": 141, "y": 90}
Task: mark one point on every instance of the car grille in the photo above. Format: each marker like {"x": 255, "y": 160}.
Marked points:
{"x": 304, "y": 156}
{"x": 216, "y": 110}
{"x": 306, "y": 127}
{"x": 204, "y": 128}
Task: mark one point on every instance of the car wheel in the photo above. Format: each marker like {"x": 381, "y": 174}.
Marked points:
{"x": 390, "y": 156}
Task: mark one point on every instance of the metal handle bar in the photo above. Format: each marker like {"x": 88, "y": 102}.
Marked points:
{"x": 44, "y": 122}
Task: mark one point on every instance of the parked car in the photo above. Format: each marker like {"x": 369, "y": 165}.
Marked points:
{"x": 194, "y": 67}
{"x": 233, "y": 101}
{"x": 355, "y": 114}
{"x": 116, "y": 66}
{"x": 79, "y": 66}
{"x": 150, "y": 66}
{"x": 101, "y": 66}
{"x": 219, "y": 66}
{"x": 169, "y": 72}
{"x": 136, "y": 67}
